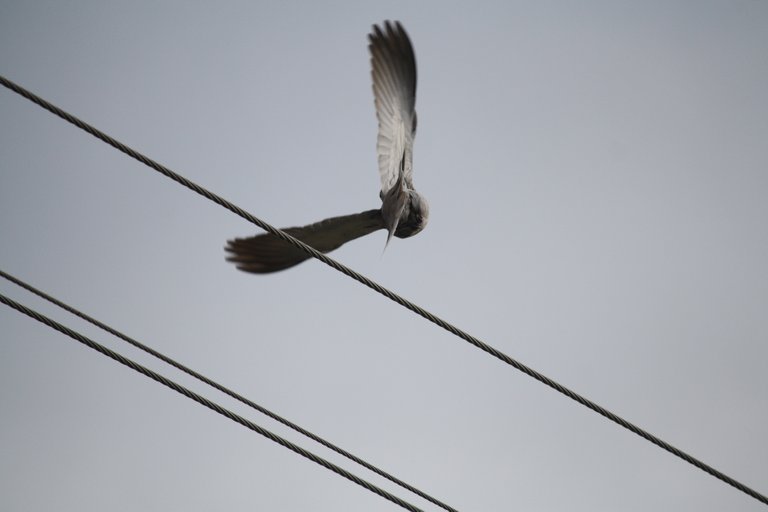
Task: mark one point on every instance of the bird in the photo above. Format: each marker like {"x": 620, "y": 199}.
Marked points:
{"x": 403, "y": 212}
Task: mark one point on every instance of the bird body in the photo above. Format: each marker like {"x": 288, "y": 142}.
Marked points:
{"x": 404, "y": 212}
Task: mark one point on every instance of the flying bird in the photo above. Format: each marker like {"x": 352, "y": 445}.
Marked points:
{"x": 403, "y": 212}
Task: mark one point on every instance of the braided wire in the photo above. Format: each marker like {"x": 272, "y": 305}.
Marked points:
{"x": 207, "y": 403}
{"x": 224, "y": 390}
{"x": 385, "y": 292}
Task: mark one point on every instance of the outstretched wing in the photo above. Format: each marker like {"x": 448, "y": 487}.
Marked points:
{"x": 394, "y": 89}
{"x": 266, "y": 253}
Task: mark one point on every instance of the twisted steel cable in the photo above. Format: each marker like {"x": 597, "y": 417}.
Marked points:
{"x": 385, "y": 292}
{"x": 207, "y": 403}
{"x": 224, "y": 390}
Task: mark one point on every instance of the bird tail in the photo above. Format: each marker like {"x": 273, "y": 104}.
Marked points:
{"x": 262, "y": 254}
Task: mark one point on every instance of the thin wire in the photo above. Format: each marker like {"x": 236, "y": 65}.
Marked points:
{"x": 385, "y": 292}
{"x": 223, "y": 389}
{"x": 208, "y": 403}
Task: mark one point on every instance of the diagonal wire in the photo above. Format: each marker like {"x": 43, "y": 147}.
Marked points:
{"x": 385, "y": 292}
{"x": 223, "y": 389}
{"x": 208, "y": 403}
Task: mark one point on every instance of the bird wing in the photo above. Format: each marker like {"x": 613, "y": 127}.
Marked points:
{"x": 393, "y": 69}
{"x": 266, "y": 253}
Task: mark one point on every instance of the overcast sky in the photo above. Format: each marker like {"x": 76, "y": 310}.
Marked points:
{"x": 598, "y": 180}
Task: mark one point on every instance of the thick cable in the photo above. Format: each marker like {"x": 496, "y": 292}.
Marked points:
{"x": 225, "y": 390}
{"x": 207, "y": 403}
{"x": 383, "y": 291}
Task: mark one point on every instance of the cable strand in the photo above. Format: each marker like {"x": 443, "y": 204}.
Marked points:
{"x": 224, "y": 390}
{"x": 385, "y": 292}
{"x": 207, "y": 403}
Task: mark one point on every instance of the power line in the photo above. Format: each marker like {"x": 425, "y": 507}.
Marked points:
{"x": 383, "y": 291}
{"x": 208, "y": 403}
{"x": 223, "y": 389}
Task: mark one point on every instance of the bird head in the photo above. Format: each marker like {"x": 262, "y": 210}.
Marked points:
{"x": 415, "y": 216}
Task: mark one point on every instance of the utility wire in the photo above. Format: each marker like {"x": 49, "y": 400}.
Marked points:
{"x": 224, "y": 390}
{"x": 208, "y": 403}
{"x": 383, "y": 291}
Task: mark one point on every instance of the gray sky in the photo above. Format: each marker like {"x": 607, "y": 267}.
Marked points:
{"x": 598, "y": 180}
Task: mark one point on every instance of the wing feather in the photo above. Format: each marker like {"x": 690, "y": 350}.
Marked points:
{"x": 393, "y": 70}
{"x": 266, "y": 253}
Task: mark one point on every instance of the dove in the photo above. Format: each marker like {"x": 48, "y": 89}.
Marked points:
{"x": 403, "y": 212}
